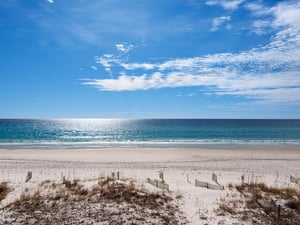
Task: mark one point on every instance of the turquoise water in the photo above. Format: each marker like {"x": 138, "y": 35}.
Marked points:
{"x": 17, "y": 133}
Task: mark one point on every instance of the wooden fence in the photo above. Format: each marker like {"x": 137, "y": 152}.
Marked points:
{"x": 208, "y": 185}
{"x": 158, "y": 184}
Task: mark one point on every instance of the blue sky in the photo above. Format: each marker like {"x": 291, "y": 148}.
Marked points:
{"x": 149, "y": 59}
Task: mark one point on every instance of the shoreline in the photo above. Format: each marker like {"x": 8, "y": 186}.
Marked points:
{"x": 209, "y": 146}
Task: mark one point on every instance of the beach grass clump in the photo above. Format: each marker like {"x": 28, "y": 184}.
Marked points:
{"x": 264, "y": 204}
{"x": 225, "y": 207}
{"x": 107, "y": 202}
{"x": 4, "y": 189}
{"x": 27, "y": 197}
{"x": 126, "y": 191}
{"x": 76, "y": 188}
{"x": 283, "y": 192}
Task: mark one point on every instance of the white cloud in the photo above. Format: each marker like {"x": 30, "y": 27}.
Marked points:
{"x": 94, "y": 68}
{"x": 107, "y": 61}
{"x": 217, "y": 22}
{"x": 260, "y": 26}
{"x": 134, "y": 66}
{"x": 268, "y": 73}
{"x": 124, "y": 47}
{"x": 263, "y": 24}
{"x": 50, "y": 1}
{"x": 286, "y": 14}
{"x": 226, "y": 4}
{"x": 273, "y": 95}
{"x": 225, "y": 82}
{"x": 192, "y": 94}
{"x": 257, "y": 9}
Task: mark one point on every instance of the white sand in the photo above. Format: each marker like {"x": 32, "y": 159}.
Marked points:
{"x": 273, "y": 167}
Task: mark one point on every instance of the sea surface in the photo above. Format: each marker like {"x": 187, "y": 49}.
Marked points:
{"x": 97, "y": 133}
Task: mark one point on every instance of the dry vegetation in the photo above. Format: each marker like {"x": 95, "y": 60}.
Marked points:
{"x": 260, "y": 204}
{"x": 3, "y": 190}
{"x": 108, "y": 202}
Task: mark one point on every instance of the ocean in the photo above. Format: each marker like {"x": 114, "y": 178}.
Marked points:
{"x": 97, "y": 133}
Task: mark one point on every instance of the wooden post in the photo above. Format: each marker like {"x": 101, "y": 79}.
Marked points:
{"x": 187, "y": 178}
{"x": 113, "y": 175}
{"x": 161, "y": 176}
{"x": 28, "y": 176}
{"x": 214, "y": 178}
{"x": 63, "y": 179}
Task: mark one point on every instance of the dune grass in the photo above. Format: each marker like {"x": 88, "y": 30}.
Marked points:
{"x": 263, "y": 204}
{"x": 108, "y": 202}
{"x": 3, "y": 190}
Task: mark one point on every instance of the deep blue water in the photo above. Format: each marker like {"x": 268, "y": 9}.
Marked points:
{"x": 153, "y": 132}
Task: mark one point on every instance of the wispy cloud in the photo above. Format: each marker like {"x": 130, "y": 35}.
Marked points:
{"x": 226, "y": 4}
{"x": 102, "y": 23}
{"x": 257, "y": 9}
{"x": 192, "y": 94}
{"x": 268, "y": 73}
{"x": 107, "y": 61}
{"x": 260, "y": 26}
{"x": 134, "y": 66}
{"x": 97, "y": 23}
{"x": 94, "y": 68}
{"x": 217, "y": 22}
{"x": 286, "y": 14}
{"x": 124, "y": 47}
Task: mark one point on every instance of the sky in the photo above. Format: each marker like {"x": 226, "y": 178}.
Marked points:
{"x": 149, "y": 59}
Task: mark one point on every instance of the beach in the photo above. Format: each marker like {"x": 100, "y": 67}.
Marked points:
{"x": 150, "y": 112}
{"x": 180, "y": 168}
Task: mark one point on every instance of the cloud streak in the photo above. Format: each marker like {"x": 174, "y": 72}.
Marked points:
{"x": 124, "y": 47}
{"x": 217, "y": 22}
{"x": 102, "y": 23}
{"x": 270, "y": 73}
{"x": 226, "y": 4}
